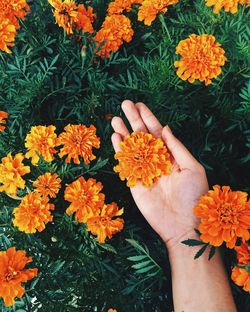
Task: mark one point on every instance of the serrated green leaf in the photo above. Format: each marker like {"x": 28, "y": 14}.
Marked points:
{"x": 141, "y": 265}
{"x": 136, "y": 258}
{"x": 146, "y": 269}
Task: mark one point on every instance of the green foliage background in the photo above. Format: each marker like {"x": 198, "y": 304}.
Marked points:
{"x": 52, "y": 79}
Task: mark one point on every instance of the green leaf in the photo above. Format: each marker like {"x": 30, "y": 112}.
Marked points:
{"x": 192, "y": 242}
{"x": 200, "y": 252}
{"x": 136, "y": 258}
{"x": 141, "y": 265}
{"x": 57, "y": 266}
{"x": 211, "y": 252}
{"x": 146, "y": 269}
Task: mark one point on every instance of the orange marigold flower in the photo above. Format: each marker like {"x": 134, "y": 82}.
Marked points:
{"x": 12, "y": 10}
{"x": 114, "y": 31}
{"x": 3, "y": 116}
{"x": 227, "y": 5}
{"x": 7, "y": 35}
{"x": 41, "y": 141}
{"x": 202, "y": 58}
{"x": 85, "y": 198}
{"x": 11, "y": 171}
{"x": 142, "y": 158}
{"x": 241, "y": 277}
{"x": 13, "y": 274}
{"x": 85, "y": 18}
{"x": 118, "y": 6}
{"x": 225, "y": 216}
{"x": 47, "y": 184}
{"x": 243, "y": 253}
{"x": 33, "y": 213}
{"x": 112, "y": 310}
{"x": 103, "y": 225}
{"x": 78, "y": 141}
{"x": 151, "y": 8}
{"x": 65, "y": 13}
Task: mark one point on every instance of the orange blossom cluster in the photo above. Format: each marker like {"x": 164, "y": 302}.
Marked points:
{"x": 10, "y": 12}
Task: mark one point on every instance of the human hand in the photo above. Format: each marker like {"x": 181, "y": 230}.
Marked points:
{"x": 168, "y": 204}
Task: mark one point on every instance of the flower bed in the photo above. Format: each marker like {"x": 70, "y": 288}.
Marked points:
{"x": 71, "y": 237}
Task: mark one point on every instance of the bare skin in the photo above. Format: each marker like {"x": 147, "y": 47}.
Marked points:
{"x": 168, "y": 208}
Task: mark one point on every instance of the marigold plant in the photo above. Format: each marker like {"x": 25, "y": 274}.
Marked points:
{"x": 13, "y": 274}
{"x": 12, "y": 170}
{"x": 225, "y": 216}
{"x": 72, "y": 64}
{"x": 41, "y": 141}
{"x": 241, "y": 275}
{"x": 3, "y": 116}
{"x": 33, "y": 213}
{"x": 114, "y": 31}
{"x": 243, "y": 253}
{"x": 142, "y": 159}
{"x": 65, "y": 13}
{"x": 85, "y": 198}
{"x": 202, "y": 58}
{"x": 227, "y": 5}
{"x": 149, "y": 9}
{"x": 118, "y": 6}
{"x": 85, "y": 18}
{"x": 78, "y": 142}
{"x": 103, "y": 225}
{"x": 10, "y": 12}
{"x": 47, "y": 184}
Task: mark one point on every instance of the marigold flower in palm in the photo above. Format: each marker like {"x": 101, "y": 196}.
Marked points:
{"x": 227, "y": 5}
{"x": 114, "y": 31}
{"x": 85, "y": 198}
{"x": 47, "y": 184}
{"x": 118, "y": 6}
{"x": 142, "y": 158}
{"x": 33, "y": 213}
{"x": 3, "y": 116}
{"x": 12, "y": 170}
{"x": 151, "y": 8}
{"x": 65, "y": 13}
{"x": 103, "y": 225}
{"x": 85, "y": 18}
{"x": 41, "y": 141}
{"x": 202, "y": 58}
{"x": 225, "y": 216}
{"x": 78, "y": 142}
{"x": 13, "y": 274}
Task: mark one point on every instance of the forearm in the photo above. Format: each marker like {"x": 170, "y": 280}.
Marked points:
{"x": 199, "y": 285}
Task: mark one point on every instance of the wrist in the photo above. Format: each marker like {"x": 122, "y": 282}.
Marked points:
{"x": 175, "y": 245}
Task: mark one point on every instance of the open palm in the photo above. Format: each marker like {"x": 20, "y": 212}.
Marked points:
{"x": 168, "y": 204}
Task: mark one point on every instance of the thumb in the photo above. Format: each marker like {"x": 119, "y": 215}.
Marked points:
{"x": 180, "y": 153}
